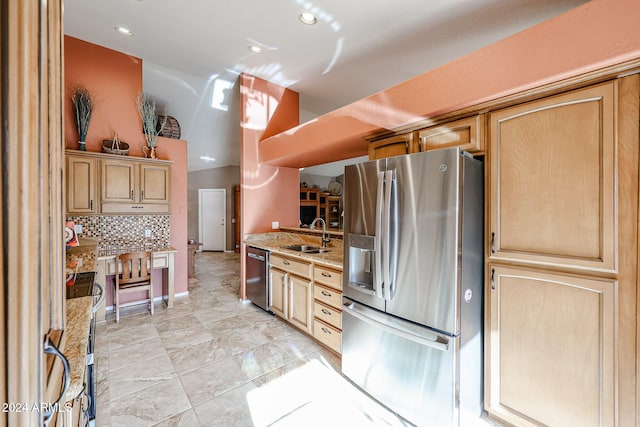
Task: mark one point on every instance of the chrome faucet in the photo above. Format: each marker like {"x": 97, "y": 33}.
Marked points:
{"x": 325, "y": 236}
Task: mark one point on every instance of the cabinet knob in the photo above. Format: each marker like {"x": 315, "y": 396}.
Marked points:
{"x": 325, "y": 274}
{"x": 325, "y": 311}
{"x": 325, "y": 293}
{"x": 325, "y": 330}
{"x": 493, "y": 282}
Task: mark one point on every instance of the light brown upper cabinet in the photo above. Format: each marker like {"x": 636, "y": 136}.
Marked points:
{"x": 81, "y": 185}
{"x": 118, "y": 182}
{"x": 468, "y": 134}
{"x": 552, "y": 181}
{"x": 135, "y": 187}
{"x": 392, "y": 146}
{"x": 111, "y": 184}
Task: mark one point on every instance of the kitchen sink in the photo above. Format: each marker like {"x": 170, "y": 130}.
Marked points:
{"x": 307, "y": 249}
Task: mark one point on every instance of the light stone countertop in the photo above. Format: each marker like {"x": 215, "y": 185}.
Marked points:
{"x": 86, "y": 255}
{"x": 111, "y": 253}
{"x": 274, "y": 242}
{"x": 75, "y": 348}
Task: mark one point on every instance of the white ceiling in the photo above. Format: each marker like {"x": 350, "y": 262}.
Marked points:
{"x": 357, "y": 48}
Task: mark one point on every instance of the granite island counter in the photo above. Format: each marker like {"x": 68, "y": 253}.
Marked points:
{"x": 275, "y": 241}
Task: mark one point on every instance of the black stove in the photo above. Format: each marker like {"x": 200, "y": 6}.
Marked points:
{"x": 80, "y": 285}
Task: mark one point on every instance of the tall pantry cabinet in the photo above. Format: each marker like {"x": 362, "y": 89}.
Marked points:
{"x": 562, "y": 200}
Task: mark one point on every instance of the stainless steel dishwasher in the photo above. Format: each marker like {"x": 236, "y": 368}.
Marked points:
{"x": 258, "y": 277}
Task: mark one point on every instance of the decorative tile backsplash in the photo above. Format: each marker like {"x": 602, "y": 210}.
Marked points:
{"x": 125, "y": 230}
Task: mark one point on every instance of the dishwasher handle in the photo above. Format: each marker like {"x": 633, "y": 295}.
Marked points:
{"x": 254, "y": 256}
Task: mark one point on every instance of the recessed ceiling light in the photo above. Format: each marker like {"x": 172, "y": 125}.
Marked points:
{"x": 124, "y": 30}
{"x": 308, "y": 18}
{"x": 255, "y": 49}
{"x": 207, "y": 159}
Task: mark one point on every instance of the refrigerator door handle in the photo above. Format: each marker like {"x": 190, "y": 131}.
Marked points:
{"x": 378, "y": 263}
{"x": 388, "y": 289}
{"x": 428, "y": 339}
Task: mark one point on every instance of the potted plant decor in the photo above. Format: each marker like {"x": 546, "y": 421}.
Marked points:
{"x": 83, "y": 105}
{"x": 150, "y": 128}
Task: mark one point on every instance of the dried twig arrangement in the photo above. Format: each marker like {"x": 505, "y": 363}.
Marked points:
{"x": 147, "y": 110}
{"x": 83, "y": 104}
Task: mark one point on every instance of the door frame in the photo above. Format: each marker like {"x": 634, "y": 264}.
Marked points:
{"x": 202, "y": 191}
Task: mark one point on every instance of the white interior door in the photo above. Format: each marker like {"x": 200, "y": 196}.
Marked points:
{"x": 212, "y": 209}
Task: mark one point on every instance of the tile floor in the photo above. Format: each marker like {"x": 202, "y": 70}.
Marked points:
{"x": 214, "y": 361}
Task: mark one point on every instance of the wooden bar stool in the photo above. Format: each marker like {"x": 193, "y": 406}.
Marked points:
{"x": 135, "y": 276}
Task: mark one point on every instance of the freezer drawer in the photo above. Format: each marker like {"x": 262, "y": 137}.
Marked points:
{"x": 407, "y": 367}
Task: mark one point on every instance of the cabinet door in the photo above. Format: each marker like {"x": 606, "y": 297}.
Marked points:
{"x": 551, "y": 349}
{"x": 392, "y": 146}
{"x": 553, "y": 181}
{"x": 81, "y": 185}
{"x": 118, "y": 182}
{"x": 278, "y": 292}
{"x": 155, "y": 183}
{"x": 468, "y": 134}
{"x": 300, "y": 309}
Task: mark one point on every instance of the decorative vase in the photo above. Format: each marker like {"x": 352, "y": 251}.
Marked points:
{"x": 83, "y": 146}
{"x": 149, "y": 152}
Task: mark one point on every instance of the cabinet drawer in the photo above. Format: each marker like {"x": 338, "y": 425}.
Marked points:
{"x": 327, "y": 314}
{"x": 327, "y": 296}
{"x": 300, "y": 268}
{"x": 328, "y": 335}
{"x": 327, "y": 276}
{"x": 161, "y": 261}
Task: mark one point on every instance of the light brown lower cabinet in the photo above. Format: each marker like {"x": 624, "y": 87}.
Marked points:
{"x": 309, "y": 296}
{"x": 327, "y": 307}
{"x": 551, "y": 356}
{"x": 291, "y": 294}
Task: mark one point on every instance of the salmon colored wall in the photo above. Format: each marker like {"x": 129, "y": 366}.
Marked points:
{"x": 268, "y": 193}
{"x": 115, "y": 79}
{"x": 597, "y": 34}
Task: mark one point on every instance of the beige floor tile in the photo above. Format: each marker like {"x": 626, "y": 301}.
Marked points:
{"x": 192, "y": 357}
{"x": 184, "y": 419}
{"x": 131, "y": 335}
{"x": 177, "y": 324}
{"x": 147, "y": 372}
{"x": 150, "y": 405}
{"x": 183, "y": 338}
{"x": 228, "y": 409}
{"x": 122, "y": 356}
{"x": 212, "y": 380}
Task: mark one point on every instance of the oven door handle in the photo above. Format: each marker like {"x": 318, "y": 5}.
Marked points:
{"x": 101, "y": 296}
{"x": 50, "y": 348}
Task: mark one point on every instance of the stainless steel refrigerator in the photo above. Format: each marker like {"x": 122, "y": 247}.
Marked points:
{"x": 412, "y": 312}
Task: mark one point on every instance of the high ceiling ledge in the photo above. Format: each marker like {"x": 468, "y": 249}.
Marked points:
{"x": 510, "y": 69}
